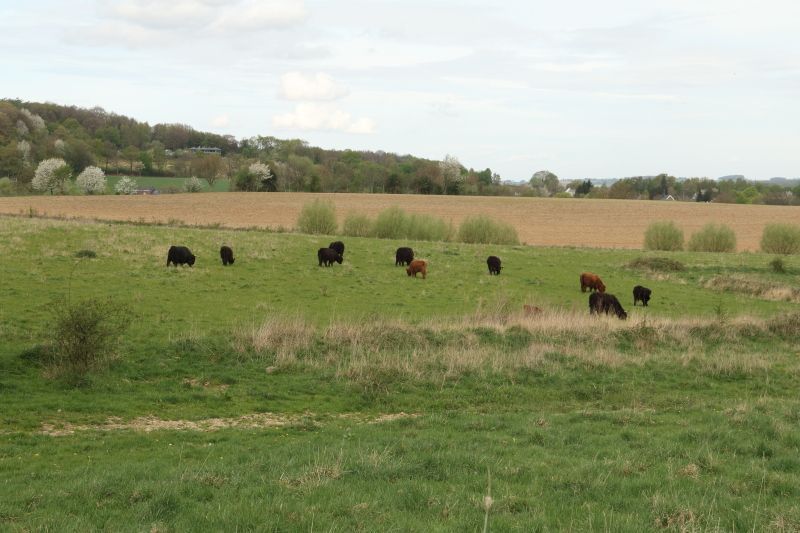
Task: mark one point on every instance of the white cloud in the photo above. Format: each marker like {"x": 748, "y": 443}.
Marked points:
{"x": 256, "y": 15}
{"x": 316, "y": 87}
{"x": 221, "y": 121}
{"x": 322, "y": 117}
{"x": 213, "y": 15}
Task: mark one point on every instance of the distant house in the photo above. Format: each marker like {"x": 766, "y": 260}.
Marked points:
{"x": 668, "y": 197}
{"x": 206, "y": 150}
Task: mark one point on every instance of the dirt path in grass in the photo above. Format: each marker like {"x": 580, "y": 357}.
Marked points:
{"x": 146, "y": 424}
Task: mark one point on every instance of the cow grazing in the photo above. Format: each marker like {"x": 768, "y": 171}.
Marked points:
{"x": 641, "y": 294}
{"x": 226, "y": 254}
{"x": 600, "y": 302}
{"x": 592, "y": 282}
{"x": 338, "y": 246}
{"x": 493, "y": 262}
{"x": 328, "y": 256}
{"x": 532, "y": 310}
{"x": 180, "y": 255}
{"x": 417, "y": 266}
{"x": 403, "y": 256}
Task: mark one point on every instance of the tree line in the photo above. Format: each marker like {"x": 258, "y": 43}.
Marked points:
{"x": 32, "y": 132}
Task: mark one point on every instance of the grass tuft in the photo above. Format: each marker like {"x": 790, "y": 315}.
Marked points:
{"x": 657, "y": 264}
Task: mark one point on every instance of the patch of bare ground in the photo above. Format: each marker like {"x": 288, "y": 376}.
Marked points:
{"x": 147, "y": 424}
{"x": 538, "y": 221}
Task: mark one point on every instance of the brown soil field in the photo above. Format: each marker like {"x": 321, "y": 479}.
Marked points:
{"x": 539, "y": 221}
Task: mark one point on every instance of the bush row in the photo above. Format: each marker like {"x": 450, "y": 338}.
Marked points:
{"x": 667, "y": 236}
{"x": 319, "y": 217}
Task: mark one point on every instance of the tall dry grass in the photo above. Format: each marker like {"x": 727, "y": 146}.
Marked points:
{"x": 495, "y": 340}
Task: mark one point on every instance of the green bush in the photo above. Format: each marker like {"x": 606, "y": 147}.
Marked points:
{"x": 663, "y": 235}
{"x": 357, "y": 225}
{"x": 713, "y": 238}
{"x": 778, "y": 266}
{"x": 391, "y": 223}
{"x": 427, "y": 228}
{"x": 781, "y": 239}
{"x": 482, "y": 229}
{"x": 84, "y": 335}
{"x": 318, "y": 216}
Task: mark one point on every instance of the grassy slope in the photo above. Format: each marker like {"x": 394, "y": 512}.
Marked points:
{"x": 653, "y": 442}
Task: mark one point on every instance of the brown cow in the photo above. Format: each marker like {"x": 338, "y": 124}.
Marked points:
{"x": 416, "y": 266}
{"x": 592, "y": 282}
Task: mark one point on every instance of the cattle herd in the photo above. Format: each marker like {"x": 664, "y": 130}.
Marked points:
{"x": 599, "y": 300}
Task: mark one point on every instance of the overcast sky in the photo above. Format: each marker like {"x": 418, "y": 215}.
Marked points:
{"x": 585, "y": 89}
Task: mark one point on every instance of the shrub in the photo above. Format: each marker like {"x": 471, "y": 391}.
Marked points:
{"x": 91, "y": 254}
{"x": 781, "y": 239}
{"x": 391, "y": 223}
{"x": 713, "y": 238}
{"x": 427, "y": 228}
{"x": 357, "y": 225}
{"x": 482, "y": 229}
{"x": 92, "y": 180}
{"x": 777, "y": 265}
{"x": 663, "y": 235}
{"x": 192, "y": 185}
{"x": 126, "y": 185}
{"x": 318, "y": 216}
{"x": 84, "y": 334}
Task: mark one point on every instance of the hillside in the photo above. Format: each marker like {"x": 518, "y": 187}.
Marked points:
{"x": 31, "y": 132}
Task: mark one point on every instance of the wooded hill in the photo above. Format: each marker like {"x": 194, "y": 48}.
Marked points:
{"x": 31, "y": 132}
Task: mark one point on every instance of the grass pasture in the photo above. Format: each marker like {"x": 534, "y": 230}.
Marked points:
{"x": 161, "y": 183}
{"x": 538, "y": 221}
{"x": 277, "y": 395}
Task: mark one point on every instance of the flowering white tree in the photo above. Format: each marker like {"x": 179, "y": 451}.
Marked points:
{"x": 126, "y": 185}
{"x": 262, "y": 172}
{"x": 36, "y": 122}
{"x": 92, "y": 180}
{"x": 192, "y": 184}
{"x": 51, "y": 175}
{"x": 451, "y": 173}
{"x": 24, "y": 149}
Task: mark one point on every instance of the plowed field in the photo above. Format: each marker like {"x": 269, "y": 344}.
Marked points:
{"x": 539, "y": 221}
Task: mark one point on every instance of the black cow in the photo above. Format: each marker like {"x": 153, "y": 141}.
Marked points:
{"x": 338, "y": 246}
{"x": 602, "y": 302}
{"x": 328, "y": 256}
{"x": 493, "y": 262}
{"x": 226, "y": 254}
{"x": 403, "y": 256}
{"x": 180, "y": 255}
{"x": 641, "y": 294}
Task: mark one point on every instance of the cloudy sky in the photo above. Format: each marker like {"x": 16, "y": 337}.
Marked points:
{"x": 582, "y": 88}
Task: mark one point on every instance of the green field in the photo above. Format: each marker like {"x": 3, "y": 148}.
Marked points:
{"x": 277, "y": 395}
{"x": 145, "y": 182}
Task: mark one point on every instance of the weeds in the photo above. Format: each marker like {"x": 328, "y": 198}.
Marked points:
{"x": 83, "y": 335}
{"x": 657, "y": 264}
{"x": 778, "y": 266}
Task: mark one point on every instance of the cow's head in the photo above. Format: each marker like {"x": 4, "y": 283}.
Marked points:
{"x": 190, "y": 261}
{"x": 600, "y": 286}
